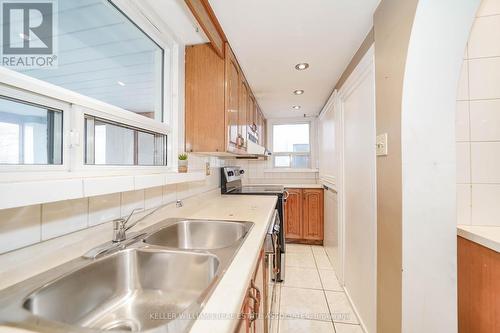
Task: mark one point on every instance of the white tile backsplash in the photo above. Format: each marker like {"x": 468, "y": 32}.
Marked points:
{"x": 484, "y": 41}
{"x": 169, "y": 193}
{"x": 104, "y": 208}
{"x": 463, "y": 203}
{"x": 478, "y": 122}
{"x": 485, "y": 207}
{"x": 485, "y": 120}
{"x": 19, "y": 227}
{"x": 463, "y": 162}
{"x": 131, "y": 200}
{"x": 463, "y": 83}
{"x": 485, "y": 162}
{"x": 153, "y": 197}
{"x": 63, "y": 217}
{"x": 489, "y": 7}
{"x": 484, "y": 78}
{"x": 462, "y": 121}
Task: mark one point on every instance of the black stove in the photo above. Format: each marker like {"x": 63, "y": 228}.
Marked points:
{"x": 231, "y": 184}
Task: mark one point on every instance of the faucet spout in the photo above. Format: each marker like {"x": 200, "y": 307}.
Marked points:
{"x": 120, "y": 227}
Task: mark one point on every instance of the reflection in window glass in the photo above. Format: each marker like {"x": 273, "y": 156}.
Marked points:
{"x": 114, "y": 145}
{"x": 29, "y": 134}
{"x": 103, "y": 55}
{"x": 109, "y": 143}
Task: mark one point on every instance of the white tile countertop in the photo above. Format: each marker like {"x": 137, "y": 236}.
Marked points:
{"x": 487, "y": 236}
{"x": 224, "y": 303}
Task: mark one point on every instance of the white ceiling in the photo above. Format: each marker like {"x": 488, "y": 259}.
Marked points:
{"x": 270, "y": 36}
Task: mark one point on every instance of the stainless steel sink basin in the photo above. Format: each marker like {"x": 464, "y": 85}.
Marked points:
{"x": 156, "y": 281}
{"x": 127, "y": 290}
{"x": 199, "y": 234}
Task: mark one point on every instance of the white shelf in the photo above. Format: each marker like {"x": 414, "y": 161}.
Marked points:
{"x": 33, "y": 192}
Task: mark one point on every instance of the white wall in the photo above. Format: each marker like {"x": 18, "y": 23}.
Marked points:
{"x": 429, "y": 271}
{"x": 24, "y": 226}
{"x": 478, "y": 122}
{"x": 359, "y": 190}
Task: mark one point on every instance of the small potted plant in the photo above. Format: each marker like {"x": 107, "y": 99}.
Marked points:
{"x": 183, "y": 163}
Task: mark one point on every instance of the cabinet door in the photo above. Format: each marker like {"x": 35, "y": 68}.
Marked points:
{"x": 245, "y": 324}
{"x": 293, "y": 215}
{"x": 232, "y": 100}
{"x": 313, "y": 214}
{"x": 260, "y": 127}
{"x": 242, "y": 114}
{"x": 204, "y": 108}
{"x": 251, "y": 114}
{"x": 260, "y": 289}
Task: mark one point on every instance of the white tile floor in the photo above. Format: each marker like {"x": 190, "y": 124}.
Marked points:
{"x": 311, "y": 298}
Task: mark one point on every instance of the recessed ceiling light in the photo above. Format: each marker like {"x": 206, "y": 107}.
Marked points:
{"x": 296, "y": 107}
{"x": 121, "y": 83}
{"x": 298, "y": 92}
{"x": 302, "y": 66}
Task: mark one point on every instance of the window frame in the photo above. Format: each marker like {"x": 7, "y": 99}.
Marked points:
{"x": 75, "y": 105}
{"x": 42, "y": 101}
{"x": 292, "y": 121}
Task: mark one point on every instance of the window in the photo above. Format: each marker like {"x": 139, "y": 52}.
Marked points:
{"x": 103, "y": 55}
{"x": 109, "y": 143}
{"x": 291, "y": 148}
{"x": 29, "y": 133}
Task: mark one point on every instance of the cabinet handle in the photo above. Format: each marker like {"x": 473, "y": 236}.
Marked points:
{"x": 286, "y": 194}
{"x": 258, "y": 296}
{"x": 254, "y": 314}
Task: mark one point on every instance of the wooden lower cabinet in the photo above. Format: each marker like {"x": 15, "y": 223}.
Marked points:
{"x": 254, "y": 308}
{"x": 304, "y": 215}
{"x": 478, "y": 288}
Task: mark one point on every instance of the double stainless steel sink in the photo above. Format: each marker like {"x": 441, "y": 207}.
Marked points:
{"x": 157, "y": 282}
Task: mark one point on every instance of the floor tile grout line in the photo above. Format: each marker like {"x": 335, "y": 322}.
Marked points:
{"x": 324, "y": 294}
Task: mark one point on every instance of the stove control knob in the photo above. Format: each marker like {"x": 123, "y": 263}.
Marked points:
{"x": 242, "y": 172}
{"x": 230, "y": 173}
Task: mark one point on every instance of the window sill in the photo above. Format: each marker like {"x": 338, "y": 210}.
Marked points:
{"x": 280, "y": 170}
{"x": 25, "y": 193}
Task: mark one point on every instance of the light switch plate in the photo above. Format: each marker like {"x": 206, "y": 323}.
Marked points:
{"x": 207, "y": 168}
{"x": 381, "y": 145}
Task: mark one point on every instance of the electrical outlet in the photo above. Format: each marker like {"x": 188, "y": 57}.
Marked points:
{"x": 381, "y": 145}
{"x": 207, "y": 168}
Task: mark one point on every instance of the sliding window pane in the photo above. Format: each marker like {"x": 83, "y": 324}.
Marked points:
{"x": 102, "y": 54}
{"x": 146, "y": 148}
{"x": 29, "y": 134}
{"x": 114, "y": 145}
{"x": 110, "y": 143}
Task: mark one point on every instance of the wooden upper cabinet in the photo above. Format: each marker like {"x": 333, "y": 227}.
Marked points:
{"x": 263, "y": 140}
{"x": 243, "y": 114}
{"x": 293, "y": 214}
{"x": 205, "y": 113}
{"x": 252, "y": 106}
{"x": 313, "y": 214}
{"x": 219, "y": 102}
{"x": 232, "y": 97}
{"x": 205, "y": 16}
